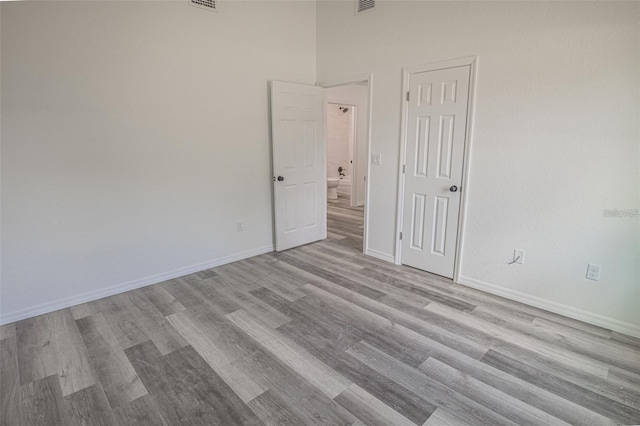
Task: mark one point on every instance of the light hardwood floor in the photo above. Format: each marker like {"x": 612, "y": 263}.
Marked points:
{"x": 315, "y": 335}
{"x": 345, "y": 223}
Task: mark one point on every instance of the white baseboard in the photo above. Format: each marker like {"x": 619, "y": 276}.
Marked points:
{"x": 6, "y": 318}
{"x": 380, "y": 255}
{"x": 551, "y": 306}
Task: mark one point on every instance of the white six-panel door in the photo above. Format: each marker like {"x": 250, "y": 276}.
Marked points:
{"x": 436, "y": 126}
{"x": 300, "y": 173}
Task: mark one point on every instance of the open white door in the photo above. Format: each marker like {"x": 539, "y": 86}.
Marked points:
{"x": 436, "y": 133}
{"x": 299, "y": 164}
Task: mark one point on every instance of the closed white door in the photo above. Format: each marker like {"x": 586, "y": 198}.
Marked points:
{"x": 299, "y": 164}
{"x": 436, "y": 127}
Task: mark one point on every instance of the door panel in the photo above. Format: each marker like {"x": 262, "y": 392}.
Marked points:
{"x": 445, "y": 146}
{"x": 422, "y": 146}
{"x": 436, "y": 132}
{"x": 417, "y": 226}
{"x": 299, "y": 151}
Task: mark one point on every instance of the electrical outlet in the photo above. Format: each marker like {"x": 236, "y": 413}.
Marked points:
{"x": 593, "y": 272}
{"x": 518, "y": 256}
{"x": 239, "y": 226}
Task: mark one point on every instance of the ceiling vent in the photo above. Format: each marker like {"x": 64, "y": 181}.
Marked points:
{"x": 210, "y": 5}
{"x": 364, "y": 6}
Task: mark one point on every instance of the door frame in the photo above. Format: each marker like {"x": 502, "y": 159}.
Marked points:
{"x": 345, "y": 81}
{"x": 472, "y": 62}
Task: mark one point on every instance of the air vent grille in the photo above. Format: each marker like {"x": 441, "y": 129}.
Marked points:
{"x": 364, "y": 5}
{"x": 205, "y": 4}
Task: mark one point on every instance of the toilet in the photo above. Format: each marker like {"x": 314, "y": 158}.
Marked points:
{"x": 332, "y": 187}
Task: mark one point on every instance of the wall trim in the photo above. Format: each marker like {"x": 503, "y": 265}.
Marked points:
{"x": 380, "y": 255}
{"x": 551, "y": 306}
{"x": 6, "y": 318}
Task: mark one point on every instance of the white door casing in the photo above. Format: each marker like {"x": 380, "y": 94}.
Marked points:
{"x": 299, "y": 164}
{"x": 435, "y": 144}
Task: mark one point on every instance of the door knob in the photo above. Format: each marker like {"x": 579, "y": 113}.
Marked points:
{"x": 453, "y": 188}
{"x": 280, "y": 178}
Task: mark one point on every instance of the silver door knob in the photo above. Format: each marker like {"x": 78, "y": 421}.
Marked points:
{"x": 453, "y": 188}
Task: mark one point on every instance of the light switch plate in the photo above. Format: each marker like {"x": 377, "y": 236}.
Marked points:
{"x": 376, "y": 159}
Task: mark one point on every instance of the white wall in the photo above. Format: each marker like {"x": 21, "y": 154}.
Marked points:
{"x": 125, "y": 135}
{"x": 134, "y": 135}
{"x": 358, "y": 95}
{"x": 0, "y": 163}
{"x": 555, "y": 141}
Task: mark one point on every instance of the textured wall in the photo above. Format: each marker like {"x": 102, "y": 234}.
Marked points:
{"x": 134, "y": 135}
{"x": 127, "y": 128}
{"x": 555, "y": 138}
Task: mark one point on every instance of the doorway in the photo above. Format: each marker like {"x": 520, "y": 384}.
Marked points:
{"x": 341, "y": 138}
{"x": 299, "y": 152}
{"x": 345, "y": 220}
{"x": 348, "y": 111}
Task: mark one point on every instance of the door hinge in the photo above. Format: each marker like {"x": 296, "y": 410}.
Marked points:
{"x": 404, "y": 168}
{"x": 400, "y": 235}
{"x": 408, "y": 96}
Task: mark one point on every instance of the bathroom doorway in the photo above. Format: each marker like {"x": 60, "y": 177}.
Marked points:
{"x": 341, "y": 136}
{"x": 347, "y": 114}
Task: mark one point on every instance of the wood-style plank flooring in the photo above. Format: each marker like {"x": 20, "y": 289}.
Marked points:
{"x": 315, "y": 335}
{"x": 345, "y": 223}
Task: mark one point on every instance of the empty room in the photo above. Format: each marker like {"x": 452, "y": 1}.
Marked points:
{"x": 352, "y": 212}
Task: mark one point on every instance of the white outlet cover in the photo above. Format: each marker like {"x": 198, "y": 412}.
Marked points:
{"x": 519, "y": 255}
{"x": 593, "y": 272}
